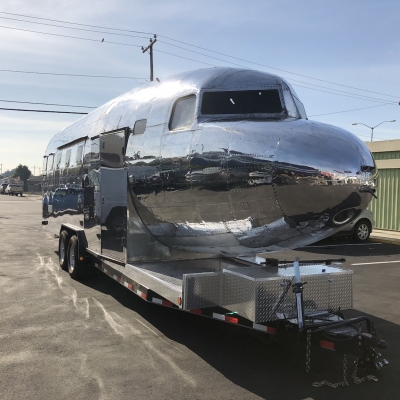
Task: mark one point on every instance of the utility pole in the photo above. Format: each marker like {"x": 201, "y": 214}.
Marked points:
{"x": 150, "y": 47}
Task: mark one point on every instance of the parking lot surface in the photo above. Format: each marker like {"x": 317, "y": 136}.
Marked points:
{"x": 63, "y": 339}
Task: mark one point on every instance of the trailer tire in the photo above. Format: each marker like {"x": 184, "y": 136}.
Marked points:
{"x": 76, "y": 267}
{"x": 62, "y": 250}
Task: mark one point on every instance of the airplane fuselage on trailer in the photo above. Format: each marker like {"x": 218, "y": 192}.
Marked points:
{"x": 172, "y": 187}
{"x": 219, "y": 161}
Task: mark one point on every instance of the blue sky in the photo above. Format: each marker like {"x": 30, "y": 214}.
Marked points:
{"x": 353, "y": 45}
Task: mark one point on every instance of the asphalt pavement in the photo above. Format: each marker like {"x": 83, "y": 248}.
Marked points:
{"x": 63, "y": 339}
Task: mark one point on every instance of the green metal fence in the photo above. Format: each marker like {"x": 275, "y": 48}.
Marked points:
{"x": 386, "y": 208}
{"x": 387, "y": 155}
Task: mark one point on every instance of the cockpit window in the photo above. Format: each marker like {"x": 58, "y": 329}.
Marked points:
{"x": 300, "y": 107}
{"x": 242, "y": 102}
{"x": 183, "y": 113}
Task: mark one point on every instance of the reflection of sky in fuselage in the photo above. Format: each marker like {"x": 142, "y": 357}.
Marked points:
{"x": 321, "y": 154}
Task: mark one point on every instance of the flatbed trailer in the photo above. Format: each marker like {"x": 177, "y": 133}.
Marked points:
{"x": 174, "y": 187}
{"x": 289, "y": 300}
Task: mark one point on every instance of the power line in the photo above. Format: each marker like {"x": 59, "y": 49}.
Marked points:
{"x": 70, "y": 27}
{"x": 186, "y": 58}
{"x": 76, "y": 23}
{"x": 171, "y": 54}
{"x": 70, "y": 37}
{"x": 355, "y": 109}
{"x": 190, "y": 59}
{"x": 44, "y": 111}
{"x": 191, "y": 45}
{"x": 329, "y": 90}
{"x": 204, "y": 55}
{"x": 277, "y": 69}
{"x": 45, "y": 104}
{"x": 95, "y": 40}
{"x": 360, "y": 96}
{"x": 344, "y": 95}
{"x": 65, "y": 74}
{"x": 363, "y": 97}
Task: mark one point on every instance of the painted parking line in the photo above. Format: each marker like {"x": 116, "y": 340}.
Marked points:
{"x": 378, "y": 262}
{"x": 342, "y": 244}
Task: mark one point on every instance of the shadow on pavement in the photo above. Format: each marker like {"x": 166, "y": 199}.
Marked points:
{"x": 266, "y": 368}
{"x": 344, "y": 248}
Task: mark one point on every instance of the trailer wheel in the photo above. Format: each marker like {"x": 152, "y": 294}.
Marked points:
{"x": 76, "y": 267}
{"x": 62, "y": 249}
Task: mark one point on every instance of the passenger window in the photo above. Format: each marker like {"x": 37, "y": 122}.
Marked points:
{"x": 140, "y": 126}
{"x": 44, "y": 165}
{"x": 79, "y": 151}
{"x": 68, "y": 158}
{"x": 58, "y": 160}
{"x": 50, "y": 162}
{"x": 183, "y": 113}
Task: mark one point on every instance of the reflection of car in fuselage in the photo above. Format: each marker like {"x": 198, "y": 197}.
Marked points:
{"x": 68, "y": 200}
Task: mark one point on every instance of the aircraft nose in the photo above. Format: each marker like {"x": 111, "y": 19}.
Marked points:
{"x": 323, "y": 177}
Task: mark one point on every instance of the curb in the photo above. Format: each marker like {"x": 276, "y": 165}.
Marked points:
{"x": 385, "y": 240}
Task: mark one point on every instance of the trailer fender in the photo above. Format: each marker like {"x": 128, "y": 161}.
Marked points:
{"x": 80, "y": 234}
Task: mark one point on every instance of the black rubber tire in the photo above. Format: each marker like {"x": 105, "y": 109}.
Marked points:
{"x": 362, "y": 230}
{"x": 76, "y": 268}
{"x": 63, "y": 250}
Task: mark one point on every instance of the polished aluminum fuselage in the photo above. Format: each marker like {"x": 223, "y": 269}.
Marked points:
{"x": 224, "y": 185}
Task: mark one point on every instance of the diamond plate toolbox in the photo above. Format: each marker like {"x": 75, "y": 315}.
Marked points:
{"x": 265, "y": 294}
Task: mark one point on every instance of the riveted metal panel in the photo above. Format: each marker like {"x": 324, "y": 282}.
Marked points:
{"x": 386, "y": 208}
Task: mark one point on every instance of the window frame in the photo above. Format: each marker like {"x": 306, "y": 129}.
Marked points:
{"x": 140, "y": 121}
{"x": 174, "y": 109}
{"x": 278, "y": 87}
{"x": 58, "y": 160}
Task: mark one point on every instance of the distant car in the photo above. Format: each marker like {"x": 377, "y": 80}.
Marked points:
{"x": 360, "y": 228}
{"x": 14, "y": 190}
{"x": 3, "y": 188}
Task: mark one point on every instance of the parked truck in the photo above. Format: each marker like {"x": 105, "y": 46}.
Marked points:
{"x": 14, "y": 189}
{"x": 175, "y": 187}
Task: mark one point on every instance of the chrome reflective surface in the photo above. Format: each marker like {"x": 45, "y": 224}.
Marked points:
{"x": 224, "y": 186}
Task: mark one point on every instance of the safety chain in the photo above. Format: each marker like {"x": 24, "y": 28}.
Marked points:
{"x": 308, "y": 355}
{"x": 344, "y": 382}
{"x": 335, "y": 385}
{"x": 358, "y": 380}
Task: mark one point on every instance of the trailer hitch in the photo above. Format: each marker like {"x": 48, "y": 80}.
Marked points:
{"x": 370, "y": 360}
